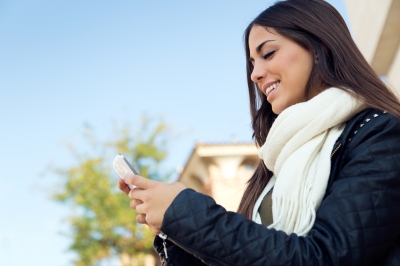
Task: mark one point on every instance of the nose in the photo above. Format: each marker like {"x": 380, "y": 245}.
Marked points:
{"x": 258, "y": 73}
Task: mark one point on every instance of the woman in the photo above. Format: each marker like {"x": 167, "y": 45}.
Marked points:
{"x": 326, "y": 190}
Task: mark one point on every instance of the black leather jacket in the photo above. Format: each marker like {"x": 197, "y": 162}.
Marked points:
{"x": 358, "y": 222}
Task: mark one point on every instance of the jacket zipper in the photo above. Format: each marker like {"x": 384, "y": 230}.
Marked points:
{"x": 164, "y": 237}
{"x": 337, "y": 148}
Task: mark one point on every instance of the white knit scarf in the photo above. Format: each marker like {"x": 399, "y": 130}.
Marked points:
{"x": 297, "y": 151}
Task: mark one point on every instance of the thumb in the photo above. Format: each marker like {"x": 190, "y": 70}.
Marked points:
{"x": 138, "y": 181}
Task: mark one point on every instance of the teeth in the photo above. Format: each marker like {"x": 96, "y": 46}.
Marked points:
{"x": 270, "y": 88}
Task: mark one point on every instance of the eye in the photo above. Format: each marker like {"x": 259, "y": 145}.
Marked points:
{"x": 269, "y": 55}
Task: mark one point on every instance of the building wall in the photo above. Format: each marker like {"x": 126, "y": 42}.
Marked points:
{"x": 393, "y": 75}
{"x": 367, "y": 18}
{"x": 375, "y": 26}
{"x": 228, "y": 190}
{"x": 221, "y": 171}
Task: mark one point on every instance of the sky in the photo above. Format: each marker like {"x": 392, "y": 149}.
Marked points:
{"x": 65, "y": 64}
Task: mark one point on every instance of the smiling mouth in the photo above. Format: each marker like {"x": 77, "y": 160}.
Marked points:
{"x": 271, "y": 88}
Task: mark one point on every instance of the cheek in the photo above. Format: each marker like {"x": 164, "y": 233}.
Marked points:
{"x": 302, "y": 62}
{"x": 299, "y": 69}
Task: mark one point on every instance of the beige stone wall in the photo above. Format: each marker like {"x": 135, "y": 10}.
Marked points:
{"x": 393, "y": 76}
{"x": 375, "y": 25}
{"x": 228, "y": 190}
{"x": 220, "y": 171}
{"x": 367, "y": 18}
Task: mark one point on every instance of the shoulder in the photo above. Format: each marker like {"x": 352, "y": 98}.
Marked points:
{"x": 369, "y": 144}
{"x": 370, "y": 125}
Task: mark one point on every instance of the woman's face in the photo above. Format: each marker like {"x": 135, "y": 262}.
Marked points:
{"x": 282, "y": 68}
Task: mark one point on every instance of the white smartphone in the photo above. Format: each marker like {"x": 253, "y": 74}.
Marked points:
{"x": 123, "y": 167}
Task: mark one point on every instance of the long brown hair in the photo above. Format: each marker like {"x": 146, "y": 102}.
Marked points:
{"x": 318, "y": 27}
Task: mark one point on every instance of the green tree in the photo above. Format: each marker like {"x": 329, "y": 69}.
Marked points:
{"x": 102, "y": 223}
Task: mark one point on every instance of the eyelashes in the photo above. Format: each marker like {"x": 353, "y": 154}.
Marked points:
{"x": 268, "y": 55}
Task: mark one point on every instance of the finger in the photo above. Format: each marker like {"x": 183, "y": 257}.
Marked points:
{"x": 141, "y": 208}
{"x": 136, "y": 193}
{"x": 123, "y": 186}
{"x": 138, "y": 181}
{"x": 141, "y": 218}
{"x": 134, "y": 203}
{"x": 155, "y": 230}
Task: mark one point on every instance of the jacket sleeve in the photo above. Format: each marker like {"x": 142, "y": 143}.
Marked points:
{"x": 358, "y": 222}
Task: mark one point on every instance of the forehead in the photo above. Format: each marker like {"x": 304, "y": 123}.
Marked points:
{"x": 259, "y": 34}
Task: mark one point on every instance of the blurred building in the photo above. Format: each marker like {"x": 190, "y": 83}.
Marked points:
{"x": 220, "y": 171}
{"x": 376, "y": 29}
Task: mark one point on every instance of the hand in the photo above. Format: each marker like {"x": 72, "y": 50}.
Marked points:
{"x": 140, "y": 218}
{"x": 151, "y": 199}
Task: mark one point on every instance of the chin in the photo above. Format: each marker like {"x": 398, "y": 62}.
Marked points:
{"x": 277, "y": 110}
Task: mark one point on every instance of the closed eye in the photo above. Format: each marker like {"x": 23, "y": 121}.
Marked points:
{"x": 268, "y": 55}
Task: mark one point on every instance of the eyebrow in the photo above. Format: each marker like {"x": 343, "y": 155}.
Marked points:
{"x": 259, "y": 47}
